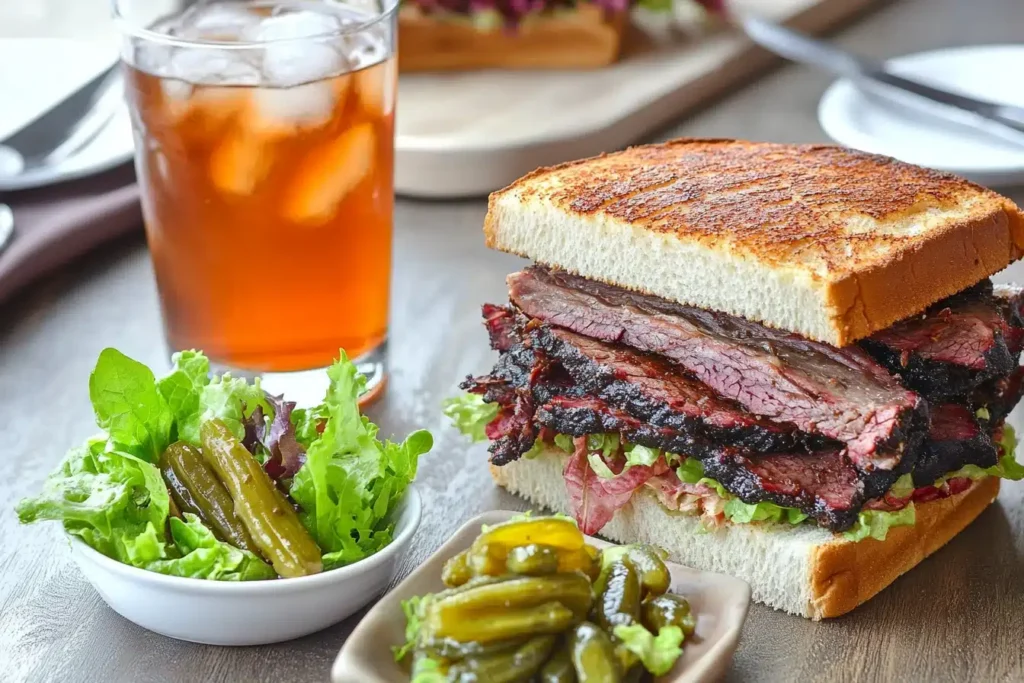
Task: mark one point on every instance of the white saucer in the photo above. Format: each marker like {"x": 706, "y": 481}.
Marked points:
{"x": 991, "y": 72}
{"x": 38, "y": 73}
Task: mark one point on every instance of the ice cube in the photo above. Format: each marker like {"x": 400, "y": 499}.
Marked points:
{"x": 289, "y": 63}
{"x": 152, "y": 58}
{"x": 328, "y": 174}
{"x": 216, "y": 104}
{"x": 376, "y": 87}
{"x": 161, "y": 165}
{"x": 175, "y": 90}
{"x": 176, "y": 96}
{"x": 214, "y": 66}
{"x": 294, "y": 24}
{"x": 283, "y": 110}
{"x": 240, "y": 162}
{"x": 219, "y": 21}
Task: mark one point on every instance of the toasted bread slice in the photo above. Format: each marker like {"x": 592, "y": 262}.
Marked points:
{"x": 822, "y": 241}
{"x": 585, "y": 38}
{"x": 804, "y": 570}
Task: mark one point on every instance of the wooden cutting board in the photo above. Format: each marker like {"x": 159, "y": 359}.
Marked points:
{"x": 468, "y": 134}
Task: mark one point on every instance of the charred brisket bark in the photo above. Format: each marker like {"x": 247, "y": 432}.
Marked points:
{"x": 651, "y": 389}
{"x": 953, "y": 347}
{"x": 954, "y": 439}
{"x": 995, "y": 399}
{"x": 841, "y": 394}
{"x": 823, "y": 484}
{"x": 587, "y": 386}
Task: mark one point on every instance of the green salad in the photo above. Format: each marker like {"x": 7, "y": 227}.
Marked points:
{"x": 211, "y": 477}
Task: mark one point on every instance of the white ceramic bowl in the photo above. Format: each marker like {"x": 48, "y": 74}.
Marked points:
{"x": 247, "y": 612}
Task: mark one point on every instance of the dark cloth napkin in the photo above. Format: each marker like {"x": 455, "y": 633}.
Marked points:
{"x": 54, "y": 225}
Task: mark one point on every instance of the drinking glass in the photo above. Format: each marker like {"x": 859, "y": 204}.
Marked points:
{"x": 264, "y": 148}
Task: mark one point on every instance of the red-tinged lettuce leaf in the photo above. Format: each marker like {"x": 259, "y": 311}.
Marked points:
{"x": 595, "y": 500}
{"x": 287, "y": 455}
{"x": 255, "y": 426}
{"x": 279, "y": 443}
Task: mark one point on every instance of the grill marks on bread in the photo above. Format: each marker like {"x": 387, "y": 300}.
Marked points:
{"x": 835, "y": 209}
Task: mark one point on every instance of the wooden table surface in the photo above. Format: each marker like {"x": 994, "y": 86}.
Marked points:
{"x": 958, "y": 617}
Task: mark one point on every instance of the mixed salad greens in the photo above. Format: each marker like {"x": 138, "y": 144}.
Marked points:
{"x": 210, "y": 477}
{"x": 597, "y": 490}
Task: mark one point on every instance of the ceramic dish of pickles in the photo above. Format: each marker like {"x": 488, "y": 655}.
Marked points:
{"x": 514, "y": 598}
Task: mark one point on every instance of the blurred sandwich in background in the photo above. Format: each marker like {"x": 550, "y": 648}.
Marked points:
{"x": 454, "y": 35}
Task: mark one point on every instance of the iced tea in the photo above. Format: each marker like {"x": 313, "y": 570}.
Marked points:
{"x": 266, "y": 172}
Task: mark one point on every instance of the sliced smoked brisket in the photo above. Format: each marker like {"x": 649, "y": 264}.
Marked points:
{"x": 655, "y": 391}
{"x": 842, "y": 394}
{"x": 955, "y": 346}
{"x": 955, "y": 439}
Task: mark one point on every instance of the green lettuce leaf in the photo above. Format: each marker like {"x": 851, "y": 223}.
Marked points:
{"x": 194, "y": 397}
{"x": 599, "y": 466}
{"x": 1006, "y": 468}
{"x": 564, "y": 441}
{"x": 535, "y": 450}
{"x": 146, "y": 547}
{"x": 606, "y": 444}
{"x": 691, "y": 471}
{"x": 641, "y": 455}
{"x": 113, "y": 501}
{"x": 427, "y": 670}
{"x": 127, "y": 404}
{"x": 307, "y": 423}
{"x": 658, "y": 653}
{"x": 182, "y": 386}
{"x": 414, "y": 608}
{"x": 204, "y": 557}
{"x": 876, "y": 523}
{"x": 351, "y": 483}
{"x": 744, "y": 513}
{"x": 228, "y": 399}
{"x": 902, "y": 487}
{"x": 470, "y": 415}
{"x": 659, "y": 6}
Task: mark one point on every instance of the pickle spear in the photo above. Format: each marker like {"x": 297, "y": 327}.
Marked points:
{"x": 618, "y": 600}
{"x": 195, "y": 488}
{"x": 571, "y": 590}
{"x": 266, "y": 513}
{"x": 516, "y": 666}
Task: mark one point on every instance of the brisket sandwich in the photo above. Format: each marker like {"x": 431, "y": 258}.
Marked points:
{"x": 785, "y": 363}
{"x": 459, "y": 35}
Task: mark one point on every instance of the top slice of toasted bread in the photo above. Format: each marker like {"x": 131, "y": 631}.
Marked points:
{"x": 826, "y": 242}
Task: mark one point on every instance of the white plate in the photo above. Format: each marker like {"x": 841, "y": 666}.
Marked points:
{"x": 990, "y": 72}
{"x": 46, "y": 71}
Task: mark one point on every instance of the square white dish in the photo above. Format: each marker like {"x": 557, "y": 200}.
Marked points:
{"x": 719, "y": 601}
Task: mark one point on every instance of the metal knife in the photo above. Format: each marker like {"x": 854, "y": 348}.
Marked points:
{"x": 1001, "y": 120}
{"x": 68, "y": 125}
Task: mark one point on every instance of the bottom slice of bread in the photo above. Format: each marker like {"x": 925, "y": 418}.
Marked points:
{"x": 804, "y": 570}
